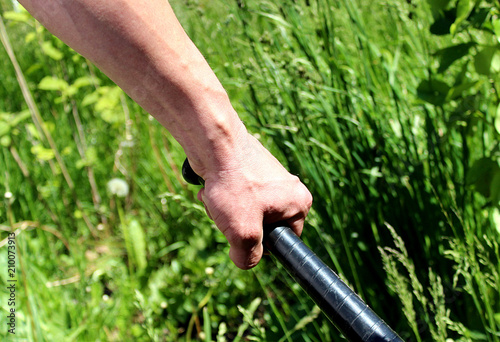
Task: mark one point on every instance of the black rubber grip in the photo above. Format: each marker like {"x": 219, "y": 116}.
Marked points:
{"x": 355, "y": 320}
{"x": 189, "y": 175}
{"x": 341, "y": 305}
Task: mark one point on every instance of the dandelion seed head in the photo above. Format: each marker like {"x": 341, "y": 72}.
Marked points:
{"x": 118, "y": 187}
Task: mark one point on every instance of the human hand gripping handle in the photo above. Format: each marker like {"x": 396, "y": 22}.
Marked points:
{"x": 341, "y": 305}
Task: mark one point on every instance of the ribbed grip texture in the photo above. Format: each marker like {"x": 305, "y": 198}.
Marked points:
{"x": 340, "y": 304}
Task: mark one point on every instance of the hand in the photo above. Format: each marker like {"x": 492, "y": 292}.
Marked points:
{"x": 255, "y": 190}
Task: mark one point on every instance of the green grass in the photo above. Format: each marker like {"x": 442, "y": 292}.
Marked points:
{"x": 336, "y": 90}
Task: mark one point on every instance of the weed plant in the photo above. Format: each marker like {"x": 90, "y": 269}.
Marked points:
{"x": 387, "y": 110}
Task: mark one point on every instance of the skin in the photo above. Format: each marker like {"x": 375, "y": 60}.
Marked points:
{"x": 142, "y": 47}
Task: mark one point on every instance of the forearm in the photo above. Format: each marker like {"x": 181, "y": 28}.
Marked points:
{"x": 142, "y": 47}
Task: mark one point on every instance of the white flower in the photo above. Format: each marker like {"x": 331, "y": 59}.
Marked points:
{"x": 118, "y": 187}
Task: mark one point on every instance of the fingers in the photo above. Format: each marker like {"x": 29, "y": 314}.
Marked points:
{"x": 296, "y": 224}
{"x": 245, "y": 240}
{"x": 240, "y": 214}
{"x": 291, "y": 209}
{"x": 246, "y": 253}
{"x": 200, "y": 196}
{"x": 305, "y": 199}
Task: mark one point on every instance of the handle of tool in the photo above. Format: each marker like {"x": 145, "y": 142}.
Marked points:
{"x": 341, "y": 305}
{"x": 355, "y": 320}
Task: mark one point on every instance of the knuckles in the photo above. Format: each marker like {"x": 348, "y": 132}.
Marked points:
{"x": 236, "y": 208}
{"x": 308, "y": 200}
{"x": 246, "y": 238}
{"x": 301, "y": 195}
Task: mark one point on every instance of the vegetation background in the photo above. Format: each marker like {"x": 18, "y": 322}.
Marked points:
{"x": 388, "y": 111}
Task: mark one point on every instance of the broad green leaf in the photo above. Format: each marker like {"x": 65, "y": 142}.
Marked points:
{"x": 443, "y": 22}
{"x": 42, "y": 153}
{"x": 479, "y": 18}
{"x": 82, "y": 82}
{"x": 77, "y": 84}
{"x": 108, "y": 104}
{"x": 496, "y": 27}
{"x": 4, "y": 128}
{"x": 464, "y": 7}
{"x": 66, "y": 151}
{"x": 76, "y": 57}
{"x": 452, "y": 53}
{"x": 51, "y": 51}
{"x": 90, "y": 158}
{"x": 111, "y": 116}
{"x": 90, "y": 99}
{"x": 109, "y": 99}
{"x": 458, "y": 90}
{"x": 91, "y": 155}
{"x": 481, "y": 175}
{"x": 438, "y": 5}
{"x": 433, "y": 91}
{"x": 70, "y": 91}
{"x": 53, "y": 83}
{"x": 19, "y": 117}
{"x": 5, "y": 141}
{"x": 483, "y": 60}
{"x": 30, "y": 37}
{"x": 81, "y": 164}
{"x": 21, "y": 16}
{"x": 495, "y": 63}
{"x": 33, "y": 130}
{"x": 461, "y": 77}
{"x": 33, "y": 68}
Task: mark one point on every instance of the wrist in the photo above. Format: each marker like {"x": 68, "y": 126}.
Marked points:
{"x": 245, "y": 155}
{"x": 216, "y": 146}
